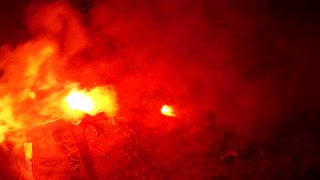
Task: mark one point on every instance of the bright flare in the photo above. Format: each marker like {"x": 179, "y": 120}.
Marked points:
{"x": 80, "y": 101}
{"x": 99, "y": 99}
{"x": 167, "y": 110}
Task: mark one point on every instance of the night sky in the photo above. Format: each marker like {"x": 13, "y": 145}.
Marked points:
{"x": 242, "y": 77}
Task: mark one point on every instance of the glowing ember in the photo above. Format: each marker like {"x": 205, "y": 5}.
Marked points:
{"x": 167, "y": 110}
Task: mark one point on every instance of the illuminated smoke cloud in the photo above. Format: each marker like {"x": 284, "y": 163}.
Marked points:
{"x": 150, "y": 52}
{"x": 180, "y": 52}
{"x": 221, "y": 68}
{"x": 199, "y": 56}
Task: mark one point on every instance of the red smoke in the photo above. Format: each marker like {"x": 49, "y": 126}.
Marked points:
{"x": 223, "y": 67}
